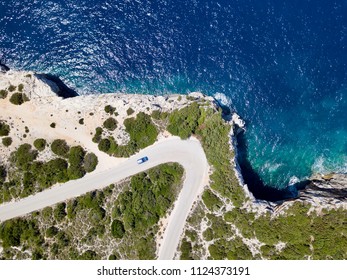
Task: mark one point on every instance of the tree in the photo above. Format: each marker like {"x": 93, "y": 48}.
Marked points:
{"x": 142, "y": 130}
{"x": 117, "y": 229}
{"x": 184, "y": 122}
{"x": 59, "y": 211}
{"x": 89, "y": 255}
{"x": 4, "y": 128}
{"x": 40, "y": 144}
{"x": 18, "y": 98}
{"x": 51, "y": 231}
{"x": 76, "y": 155}
{"x": 90, "y": 162}
{"x": 75, "y": 172}
{"x": 130, "y": 111}
{"x": 3, "y": 94}
{"x": 109, "y": 109}
{"x": 7, "y": 141}
{"x": 24, "y": 156}
{"x": 104, "y": 145}
{"x": 60, "y": 147}
{"x": 110, "y": 124}
{"x": 3, "y": 173}
{"x": 52, "y": 172}
{"x": 97, "y": 137}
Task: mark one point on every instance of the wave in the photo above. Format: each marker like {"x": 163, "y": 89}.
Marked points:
{"x": 222, "y": 99}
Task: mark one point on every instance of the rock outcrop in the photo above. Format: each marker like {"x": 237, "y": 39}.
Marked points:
{"x": 57, "y": 85}
{"x": 3, "y": 68}
{"x": 327, "y": 188}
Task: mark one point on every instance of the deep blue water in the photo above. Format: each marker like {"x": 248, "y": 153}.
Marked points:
{"x": 280, "y": 64}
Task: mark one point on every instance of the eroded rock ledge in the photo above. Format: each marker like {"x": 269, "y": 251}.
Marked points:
{"x": 326, "y": 188}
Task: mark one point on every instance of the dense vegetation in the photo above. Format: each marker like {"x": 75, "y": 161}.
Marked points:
{"x": 185, "y": 122}
{"x": 27, "y": 175}
{"x": 301, "y": 235}
{"x": 214, "y": 134}
{"x": 97, "y": 221}
{"x": 129, "y": 219}
{"x": 142, "y": 133}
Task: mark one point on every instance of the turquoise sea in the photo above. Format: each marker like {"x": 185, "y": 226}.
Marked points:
{"x": 280, "y": 64}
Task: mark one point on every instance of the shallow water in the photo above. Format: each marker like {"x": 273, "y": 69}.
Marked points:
{"x": 280, "y": 64}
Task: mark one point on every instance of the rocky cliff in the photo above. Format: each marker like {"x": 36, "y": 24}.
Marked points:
{"x": 326, "y": 188}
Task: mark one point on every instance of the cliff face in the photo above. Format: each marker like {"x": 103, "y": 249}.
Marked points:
{"x": 326, "y": 188}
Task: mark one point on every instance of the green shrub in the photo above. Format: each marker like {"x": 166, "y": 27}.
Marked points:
{"x": 75, "y": 172}
{"x": 20, "y": 87}
{"x": 184, "y": 122}
{"x": 18, "y": 98}
{"x": 12, "y": 88}
{"x": 76, "y": 155}
{"x": 7, "y": 141}
{"x": 104, "y": 145}
{"x": 109, "y": 109}
{"x": 59, "y": 212}
{"x": 53, "y": 125}
{"x": 117, "y": 229}
{"x": 130, "y": 111}
{"x": 186, "y": 248}
{"x": 156, "y": 114}
{"x": 212, "y": 202}
{"x": 3, "y": 93}
{"x": 40, "y": 144}
{"x": 208, "y": 234}
{"x": 51, "y": 231}
{"x": 76, "y": 158}
{"x": 151, "y": 195}
{"x": 4, "y": 128}
{"x": 3, "y": 173}
{"x": 53, "y": 171}
{"x": 81, "y": 121}
{"x": 23, "y": 156}
{"x": 112, "y": 257}
{"x": 97, "y": 136}
{"x": 89, "y": 255}
{"x": 16, "y": 231}
{"x": 90, "y": 162}
{"x": 142, "y": 130}
{"x": 110, "y": 124}
{"x": 60, "y": 147}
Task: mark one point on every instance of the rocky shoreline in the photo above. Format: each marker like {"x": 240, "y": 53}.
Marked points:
{"x": 322, "y": 190}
